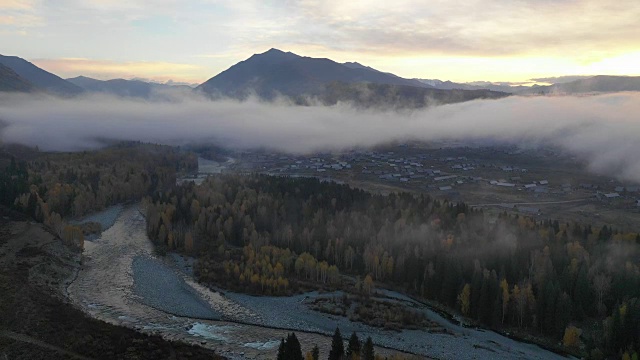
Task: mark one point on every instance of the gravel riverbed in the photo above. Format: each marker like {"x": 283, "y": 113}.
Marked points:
{"x": 160, "y": 287}
{"x": 106, "y": 218}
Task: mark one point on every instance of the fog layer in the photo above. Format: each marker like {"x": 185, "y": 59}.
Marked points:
{"x": 602, "y": 130}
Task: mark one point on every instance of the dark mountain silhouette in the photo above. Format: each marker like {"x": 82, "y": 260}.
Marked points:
{"x": 276, "y": 72}
{"x": 399, "y": 96}
{"x": 41, "y": 79}
{"x": 10, "y": 81}
{"x": 122, "y": 87}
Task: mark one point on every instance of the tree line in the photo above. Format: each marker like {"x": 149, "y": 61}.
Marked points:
{"x": 290, "y": 349}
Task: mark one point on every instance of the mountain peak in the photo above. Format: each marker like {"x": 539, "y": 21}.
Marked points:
{"x": 277, "y": 53}
{"x": 274, "y": 51}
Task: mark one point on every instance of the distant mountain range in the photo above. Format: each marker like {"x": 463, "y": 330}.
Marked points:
{"x": 595, "y": 84}
{"x": 122, "y": 87}
{"x": 564, "y": 86}
{"x": 477, "y": 85}
{"x": 303, "y": 79}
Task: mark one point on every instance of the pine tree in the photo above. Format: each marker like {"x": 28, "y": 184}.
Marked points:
{"x": 315, "y": 352}
{"x": 367, "y": 350}
{"x": 292, "y": 348}
{"x": 337, "y": 347}
{"x": 354, "y": 346}
{"x": 281, "y": 350}
{"x": 289, "y": 349}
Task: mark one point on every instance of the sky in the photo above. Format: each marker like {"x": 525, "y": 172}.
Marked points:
{"x": 192, "y": 41}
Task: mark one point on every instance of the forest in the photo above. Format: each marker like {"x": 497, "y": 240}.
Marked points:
{"x": 565, "y": 282}
{"x": 55, "y": 187}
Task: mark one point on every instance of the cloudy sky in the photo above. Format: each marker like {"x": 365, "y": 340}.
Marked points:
{"x": 184, "y": 40}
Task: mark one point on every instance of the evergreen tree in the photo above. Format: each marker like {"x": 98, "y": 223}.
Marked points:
{"x": 367, "y": 350}
{"x": 289, "y": 349}
{"x": 281, "y": 350}
{"x": 315, "y": 352}
{"x": 354, "y": 346}
{"x": 337, "y": 347}
{"x": 292, "y": 348}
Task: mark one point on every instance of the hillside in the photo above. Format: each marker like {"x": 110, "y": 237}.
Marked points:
{"x": 277, "y": 72}
{"x": 10, "y": 81}
{"x": 40, "y": 78}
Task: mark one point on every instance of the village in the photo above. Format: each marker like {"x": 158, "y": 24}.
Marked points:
{"x": 502, "y": 178}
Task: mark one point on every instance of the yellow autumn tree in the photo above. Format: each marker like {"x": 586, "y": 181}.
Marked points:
{"x": 188, "y": 242}
{"x": 464, "y": 299}
{"x": 571, "y": 336}
{"x": 73, "y": 236}
{"x": 368, "y": 285}
{"x": 504, "y": 286}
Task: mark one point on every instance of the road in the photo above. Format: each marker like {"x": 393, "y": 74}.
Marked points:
{"x": 534, "y": 203}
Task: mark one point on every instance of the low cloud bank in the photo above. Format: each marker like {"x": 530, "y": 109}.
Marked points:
{"x": 603, "y": 130}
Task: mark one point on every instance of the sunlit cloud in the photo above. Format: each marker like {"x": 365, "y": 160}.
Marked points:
{"x": 16, "y": 4}
{"x": 7, "y": 20}
{"x": 17, "y": 15}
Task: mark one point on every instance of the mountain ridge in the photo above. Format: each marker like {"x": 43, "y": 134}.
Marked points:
{"x": 123, "y": 87}
{"x": 39, "y": 77}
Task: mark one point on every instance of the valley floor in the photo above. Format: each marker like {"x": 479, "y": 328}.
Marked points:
{"x": 144, "y": 292}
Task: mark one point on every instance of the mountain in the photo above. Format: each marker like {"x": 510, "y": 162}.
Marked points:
{"x": 277, "y": 72}
{"x": 40, "y": 78}
{"x": 594, "y": 84}
{"x": 122, "y": 87}
{"x": 399, "y": 96}
{"x": 10, "y": 81}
